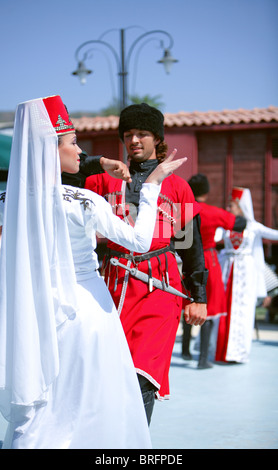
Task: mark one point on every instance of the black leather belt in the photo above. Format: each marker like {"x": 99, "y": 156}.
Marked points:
{"x": 144, "y": 257}
{"x": 138, "y": 258}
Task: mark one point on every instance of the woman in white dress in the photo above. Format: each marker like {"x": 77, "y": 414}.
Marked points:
{"x": 66, "y": 375}
{"x": 242, "y": 263}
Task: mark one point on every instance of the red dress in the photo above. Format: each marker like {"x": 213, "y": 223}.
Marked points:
{"x": 150, "y": 319}
{"x": 224, "y": 324}
{"x": 211, "y": 218}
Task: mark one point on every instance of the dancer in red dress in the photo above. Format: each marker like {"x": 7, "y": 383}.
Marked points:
{"x": 211, "y": 218}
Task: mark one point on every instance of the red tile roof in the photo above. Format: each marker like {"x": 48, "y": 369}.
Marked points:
{"x": 188, "y": 119}
{"x": 97, "y": 123}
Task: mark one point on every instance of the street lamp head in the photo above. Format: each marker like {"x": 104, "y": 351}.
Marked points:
{"x": 167, "y": 60}
{"x": 82, "y": 72}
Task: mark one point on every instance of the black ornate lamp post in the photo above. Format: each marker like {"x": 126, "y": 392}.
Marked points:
{"x": 123, "y": 59}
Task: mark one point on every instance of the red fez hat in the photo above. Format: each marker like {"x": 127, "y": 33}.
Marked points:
{"x": 237, "y": 194}
{"x": 58, "y": 115}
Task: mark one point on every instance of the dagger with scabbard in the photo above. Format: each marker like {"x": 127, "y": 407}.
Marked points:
{"x": 145, "y": 278}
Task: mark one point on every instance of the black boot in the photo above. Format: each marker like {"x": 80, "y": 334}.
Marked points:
{"x": 148, "y": 393}
{"x": 186, "y": 336}
{"x": 204, "y": 346}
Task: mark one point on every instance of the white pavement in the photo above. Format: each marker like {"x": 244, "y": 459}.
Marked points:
{"x": 231, "y": 406}
{"x": 226, "y": 407}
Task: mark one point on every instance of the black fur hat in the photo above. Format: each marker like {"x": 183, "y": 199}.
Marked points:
{"x": 141, "y": 116}
{"x": 199, "y": 184}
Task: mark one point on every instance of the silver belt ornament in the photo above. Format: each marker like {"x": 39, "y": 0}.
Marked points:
{"x": 154, "y": 282}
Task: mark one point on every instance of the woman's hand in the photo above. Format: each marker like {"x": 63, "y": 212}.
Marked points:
{"x": 165, "y": 168}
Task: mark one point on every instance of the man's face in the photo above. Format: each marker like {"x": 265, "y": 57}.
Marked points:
{"x": 140, "y": 144}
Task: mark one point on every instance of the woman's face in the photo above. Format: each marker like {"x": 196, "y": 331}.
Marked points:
{"x": 69, "y": 153}
{"x": 234, "y": 208}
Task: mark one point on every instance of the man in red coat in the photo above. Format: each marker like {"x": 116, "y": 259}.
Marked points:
{"x": 150, "y": 316}
{"x": 211, "y": 218}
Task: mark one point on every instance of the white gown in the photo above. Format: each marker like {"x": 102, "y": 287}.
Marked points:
{"x": 95, "y": 402}
{"x": 247, "y": 261}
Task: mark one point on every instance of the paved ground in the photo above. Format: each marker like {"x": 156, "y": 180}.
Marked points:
{"x": 226, "y": 407}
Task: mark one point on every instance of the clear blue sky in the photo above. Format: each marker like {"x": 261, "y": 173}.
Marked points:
{"x": 227, "y": 52}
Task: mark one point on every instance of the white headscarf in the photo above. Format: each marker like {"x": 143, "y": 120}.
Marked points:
{"x": 246, "y": 205}
{"x": 37, "y": 280}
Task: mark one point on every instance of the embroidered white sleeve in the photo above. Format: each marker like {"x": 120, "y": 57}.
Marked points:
{"x": 139, "y": 237}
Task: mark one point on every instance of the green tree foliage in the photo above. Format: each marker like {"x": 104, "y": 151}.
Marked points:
{"x": 114, "y": 107}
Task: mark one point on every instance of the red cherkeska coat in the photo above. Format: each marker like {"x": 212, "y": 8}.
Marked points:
{"x": 150, "y": 319}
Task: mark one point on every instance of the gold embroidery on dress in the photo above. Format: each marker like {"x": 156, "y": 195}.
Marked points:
{"x": 77, "y": 195}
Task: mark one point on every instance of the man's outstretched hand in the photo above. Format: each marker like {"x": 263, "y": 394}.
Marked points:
{"x": 115, "y": 168}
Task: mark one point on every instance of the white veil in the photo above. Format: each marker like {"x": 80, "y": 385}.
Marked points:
{"x": 246, "y": 206}
{"x": 37, "y": 280}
